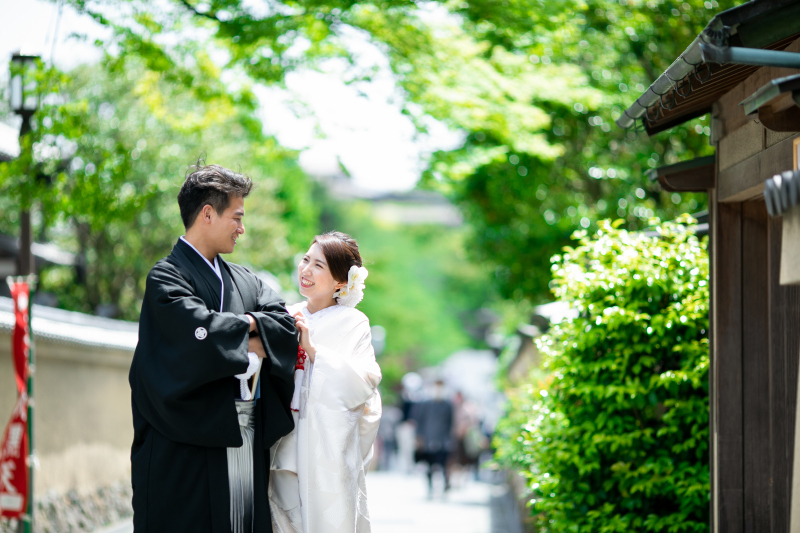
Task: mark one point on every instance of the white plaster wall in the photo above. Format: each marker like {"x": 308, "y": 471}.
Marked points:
{"x": 82, "y": 419}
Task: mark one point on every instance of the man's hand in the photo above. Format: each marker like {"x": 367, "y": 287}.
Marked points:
{"x": 252, "y": 323}
{"x": 254, "y": 345}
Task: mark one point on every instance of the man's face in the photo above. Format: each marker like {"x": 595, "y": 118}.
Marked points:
{"x": 226, "y": 228}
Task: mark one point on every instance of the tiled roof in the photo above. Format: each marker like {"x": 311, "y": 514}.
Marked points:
{"x": 689, "y": 87}
{"x": 69, "y": 327}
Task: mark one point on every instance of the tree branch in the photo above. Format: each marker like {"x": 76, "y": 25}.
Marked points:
{"x": 194, "y": 10}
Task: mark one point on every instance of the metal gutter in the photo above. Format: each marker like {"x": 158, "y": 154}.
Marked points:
{"x": 679, "y": 69}
{"x": 749, "y": 56}
{"x": 722, "y": 25}
{"x": 773, "y": 89}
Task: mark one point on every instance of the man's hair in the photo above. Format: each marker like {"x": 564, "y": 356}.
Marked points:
{"x": 210, "y": 185}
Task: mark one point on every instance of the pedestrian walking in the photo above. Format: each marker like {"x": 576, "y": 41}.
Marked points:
{"x": 434, "y": 419}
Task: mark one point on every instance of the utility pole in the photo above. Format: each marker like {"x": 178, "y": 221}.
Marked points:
{"x": 25, "y": 264}
{"x": 24, "y": 92}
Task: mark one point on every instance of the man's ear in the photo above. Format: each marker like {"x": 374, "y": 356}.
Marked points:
{"x": 207, "y": 213}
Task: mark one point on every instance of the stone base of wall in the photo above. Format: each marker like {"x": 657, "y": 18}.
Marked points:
{"x": 75, "y": 512}
{"x": 519, "y": 487}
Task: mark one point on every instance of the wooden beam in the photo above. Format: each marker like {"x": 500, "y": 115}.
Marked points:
{"x": 784, "y": 340}
{"x": 694, "y": 175}
{"x": 699, "y": 179}
{"x": 785, "y": 120}
{"x": 713, "y": 366}
{"x": 727, "y": 324}
{"x": 758, "y": 504}
{"x": 745, "y": 180}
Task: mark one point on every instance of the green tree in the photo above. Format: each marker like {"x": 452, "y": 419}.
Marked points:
{"x": 613, "y": 434}
{"x": 522, "y": 205}
{"x": 129, "y": 132}
{"x": 533, "y": 85}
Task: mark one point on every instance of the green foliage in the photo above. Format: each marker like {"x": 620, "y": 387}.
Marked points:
{"x": 130, "y": 133}
{"x": 595, "y": 57}
{"x": 534, "y": 86}
{"x": 614, "y": 438}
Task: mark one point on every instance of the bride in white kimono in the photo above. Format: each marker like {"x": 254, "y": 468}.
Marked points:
{"x": 317, "y": 482}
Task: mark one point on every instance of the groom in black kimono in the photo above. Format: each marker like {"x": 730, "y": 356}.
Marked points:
{"x": 203, "y": 322}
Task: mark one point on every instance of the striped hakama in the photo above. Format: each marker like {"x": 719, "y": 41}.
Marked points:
{"x": 240, "y": 471}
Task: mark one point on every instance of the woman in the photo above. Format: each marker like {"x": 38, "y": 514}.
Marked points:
{"x": 317, "y": 479}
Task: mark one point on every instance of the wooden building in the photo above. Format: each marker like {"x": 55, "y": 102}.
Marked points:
{"x": 736, "y": 72}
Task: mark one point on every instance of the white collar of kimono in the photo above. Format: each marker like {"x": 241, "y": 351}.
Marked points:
{"x": 215, "y": 268}
{"x": 322, "y": 312}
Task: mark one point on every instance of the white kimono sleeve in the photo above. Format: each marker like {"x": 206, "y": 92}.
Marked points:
{"x": 343, "y": 380}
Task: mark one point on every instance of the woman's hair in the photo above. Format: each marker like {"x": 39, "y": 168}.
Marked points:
{"x": 340, "y": 251}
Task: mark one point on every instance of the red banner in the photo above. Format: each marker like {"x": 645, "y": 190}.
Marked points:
{"x": 14, "y": 448}
{"x": 13, "y": 464}
{"x": 21, "y": 343}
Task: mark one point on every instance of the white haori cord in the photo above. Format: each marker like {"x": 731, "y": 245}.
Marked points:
{"x": 253, "y": 366}
{"x": 298, "y": 382}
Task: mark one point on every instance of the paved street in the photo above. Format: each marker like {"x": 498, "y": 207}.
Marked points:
{"x": 122, "y": 527}
{"x": 398, "y": 503}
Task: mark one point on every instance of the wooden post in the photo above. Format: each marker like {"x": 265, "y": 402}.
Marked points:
{"x": 727, "y": 325}
{"x": 756, "y": 426}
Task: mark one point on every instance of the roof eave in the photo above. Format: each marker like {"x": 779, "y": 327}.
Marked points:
{"x": 692, "y": 56}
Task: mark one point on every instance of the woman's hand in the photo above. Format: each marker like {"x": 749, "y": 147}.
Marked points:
{"x": 305, "y": 335}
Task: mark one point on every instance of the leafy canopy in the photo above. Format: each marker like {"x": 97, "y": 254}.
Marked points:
{"x": 533, "y": 85}
{"x": 107, "y": 154}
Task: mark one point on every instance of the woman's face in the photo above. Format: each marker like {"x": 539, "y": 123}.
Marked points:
{"x": 314, "y": 275}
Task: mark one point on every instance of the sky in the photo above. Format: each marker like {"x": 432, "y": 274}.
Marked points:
{"x": 358, "y": 126}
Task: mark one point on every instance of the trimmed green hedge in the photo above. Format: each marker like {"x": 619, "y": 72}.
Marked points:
{"x": 613, "y": 432}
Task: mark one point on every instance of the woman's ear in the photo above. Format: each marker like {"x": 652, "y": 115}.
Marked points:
{"x": 340, "y": 285}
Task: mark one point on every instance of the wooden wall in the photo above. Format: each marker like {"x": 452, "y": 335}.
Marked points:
{"x": 754, "y": 374}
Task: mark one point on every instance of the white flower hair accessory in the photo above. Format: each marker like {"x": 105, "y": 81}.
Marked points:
{"x": 352, "y": 293}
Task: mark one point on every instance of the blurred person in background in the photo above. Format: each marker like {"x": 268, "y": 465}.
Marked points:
{"x": 405, "y": 432}
{"x": 469, "y": 440}
{"x": 387, "y": 437}
{"x": 434, "y": 419}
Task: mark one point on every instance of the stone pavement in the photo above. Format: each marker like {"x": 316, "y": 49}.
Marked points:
{"x": 399, "y": 503}
{"x": 122, "y": 527}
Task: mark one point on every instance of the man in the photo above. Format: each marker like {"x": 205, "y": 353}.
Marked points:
{"x": 200, "y": 454}
{"x": 434, "y": 418}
